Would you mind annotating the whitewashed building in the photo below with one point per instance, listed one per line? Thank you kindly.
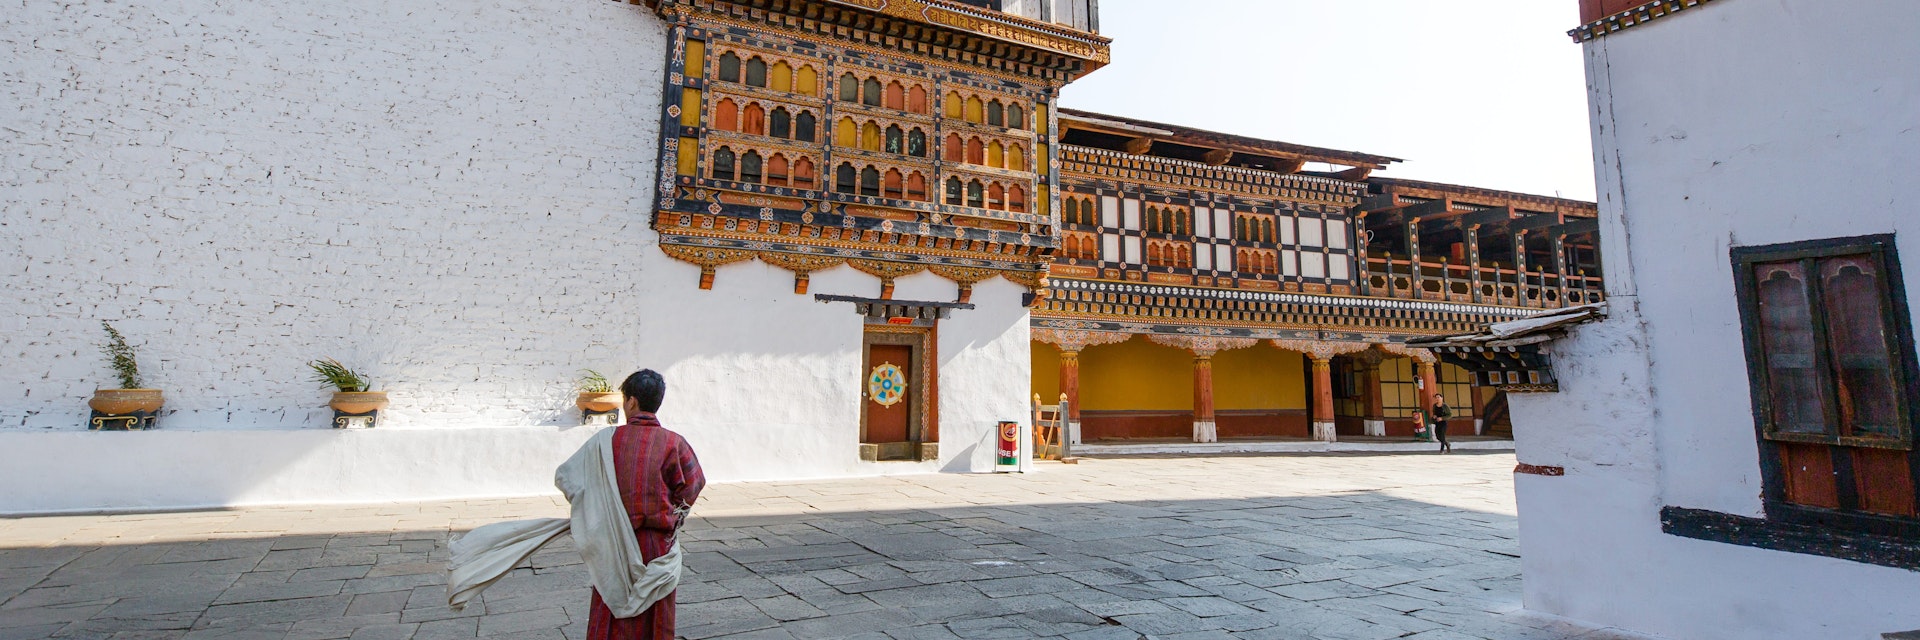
(468, 202)
(1736, 438)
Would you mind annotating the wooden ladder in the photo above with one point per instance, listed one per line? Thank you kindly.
(1049, 430)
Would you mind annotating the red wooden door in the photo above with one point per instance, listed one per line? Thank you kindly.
(889, 386)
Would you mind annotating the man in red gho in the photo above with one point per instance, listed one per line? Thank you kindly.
(659, 479)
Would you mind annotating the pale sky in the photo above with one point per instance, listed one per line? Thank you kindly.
(1489, 93)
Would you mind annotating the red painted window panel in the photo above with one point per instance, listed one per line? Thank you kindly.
(1857, 337)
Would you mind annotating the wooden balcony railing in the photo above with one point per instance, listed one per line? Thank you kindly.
(1388, 277)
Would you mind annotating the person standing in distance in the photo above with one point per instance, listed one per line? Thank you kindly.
(1440, 415)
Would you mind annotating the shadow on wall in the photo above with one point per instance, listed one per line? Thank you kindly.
(1346, 565)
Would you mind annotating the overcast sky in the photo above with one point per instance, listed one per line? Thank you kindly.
(1489, 93)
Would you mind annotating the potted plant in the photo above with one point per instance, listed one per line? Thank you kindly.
(131, 403)
(352, 397)
(597, 396)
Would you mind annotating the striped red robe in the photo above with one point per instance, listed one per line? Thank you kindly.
(657, 471)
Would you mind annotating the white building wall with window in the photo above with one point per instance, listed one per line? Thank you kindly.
(1735, 123)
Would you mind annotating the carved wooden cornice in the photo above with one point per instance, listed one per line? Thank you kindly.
(1321, 351)
(1203, 346)
(801, 265)
(1072, 341)
(707, 258)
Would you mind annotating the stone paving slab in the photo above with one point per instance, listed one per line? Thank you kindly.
(1320, 547)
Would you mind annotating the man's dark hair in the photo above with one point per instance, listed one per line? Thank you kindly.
(647, 387)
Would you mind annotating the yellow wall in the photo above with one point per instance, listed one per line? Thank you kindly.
(1046, 372)
(1260, 377)
(1136, 375)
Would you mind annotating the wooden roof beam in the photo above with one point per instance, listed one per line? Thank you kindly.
(1356, 174)
(1575, 227)
(1491, 215)
(1379, 202)
(1531, 220)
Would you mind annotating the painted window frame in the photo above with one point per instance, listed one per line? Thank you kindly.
(1896, 319)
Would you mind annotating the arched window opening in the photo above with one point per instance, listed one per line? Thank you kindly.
(896, 140)
(953, 191)
(1016, 117)
(777, 170)
(1017, 157)
(780, 123)
(726, 115)
(803, 126)
(896, 96)
(780, 77)
(917, 99)
(843, 179)
(917, 143)
(1153, 219)
(730, 67)
(1017, 198)
(757, 72)
(894, 185)
(870, 181)
(1186, 257)
(750, 167)
(1153, 255)
(1266, 228)
(846, 133)
(723, 164)
(870, 136)
(870, 92)
(803, 173)
(806, 82)
(917, 187)
(1070, 212)
(1182, 222)
(996, 197)
(997, 155)
(976, 194)
(754, 119)
(996, 114)
(973, 110)
(849, 88)
(956, 150)
(953, 105)
(976, 151)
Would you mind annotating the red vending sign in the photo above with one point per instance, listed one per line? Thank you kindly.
(1009, 443)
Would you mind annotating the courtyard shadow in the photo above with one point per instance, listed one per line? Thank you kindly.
(1345, 565)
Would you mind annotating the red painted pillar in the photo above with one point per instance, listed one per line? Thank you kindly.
(1430, 384)
(1204, 429)
(1070, 382)
(1323, 422)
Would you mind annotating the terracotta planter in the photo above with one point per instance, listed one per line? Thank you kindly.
(598, 402)
(358, 401)
(120, 402)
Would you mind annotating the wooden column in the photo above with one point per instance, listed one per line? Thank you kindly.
(1204, 429)
(1070, 383)
(1473, 259)
(1375, 419)
(1520, 268)
(1360, 238)
(1431, 383)
(1413, 259)
(1323, 422)
(1560, 265)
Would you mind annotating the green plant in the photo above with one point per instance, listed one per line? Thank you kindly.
(120, 357)
(331, 373)
(592, 382)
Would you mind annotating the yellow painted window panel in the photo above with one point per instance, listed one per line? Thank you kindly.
(996, 156)
(690, 107)
(870, 137)
(1040, 157)
(806, 82)
(689, 156)
(696, 58)
(846, 134)
(780, 77)
(1040, 119)
(953, 105)
(975, 111)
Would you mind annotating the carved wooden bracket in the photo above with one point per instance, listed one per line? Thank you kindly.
(886, 272)
(708, 258)
(966, 277)
(801, 265)
(1321, 351)
(1203, 346)
(1075, 341)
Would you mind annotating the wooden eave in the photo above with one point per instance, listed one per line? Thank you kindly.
(1391, 192)
(938, 23)
(1158, 131)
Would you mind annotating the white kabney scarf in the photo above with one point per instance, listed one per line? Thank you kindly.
(601, 531)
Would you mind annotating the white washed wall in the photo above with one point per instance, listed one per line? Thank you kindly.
(452, 197)
(1737, 123)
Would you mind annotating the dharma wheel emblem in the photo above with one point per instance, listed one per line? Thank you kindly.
(887, 385)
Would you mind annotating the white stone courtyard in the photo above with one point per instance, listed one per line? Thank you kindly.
(1334, 547)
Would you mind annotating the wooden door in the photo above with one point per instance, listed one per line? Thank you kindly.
(890, 387)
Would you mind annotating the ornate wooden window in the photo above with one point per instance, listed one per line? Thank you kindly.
(726, 115)
(894, 185)
(849, 88)
(780, 123)
(723, 164)
(917, 99)
(1017, 198)
(804, 126)
(917, 187)
(803, 173)
(896, 96)
(996, 197)
(779, 77)
(976, 194)
(870, 181)
(953, 191)
(996, 114)
(1830, 361)
(953, 105)
(753, 119)
(870, 136)
(1070, 212)
(806, 81)
(844, 179)
(1016, 158)
(870, 92)
(976, 151)
(973, 110)
(1016, 117)
(896, 139)
(996, 155)
(846, 134)
(757, 72)
(730, 67)
(917, 143)
(777, 170)
(750, 166)
(956, 150)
